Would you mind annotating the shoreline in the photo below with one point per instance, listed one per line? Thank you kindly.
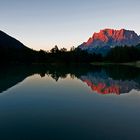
(134, 64)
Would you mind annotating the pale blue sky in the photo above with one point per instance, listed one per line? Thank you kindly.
(41, 24)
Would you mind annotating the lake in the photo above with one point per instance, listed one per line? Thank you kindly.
(69, 102)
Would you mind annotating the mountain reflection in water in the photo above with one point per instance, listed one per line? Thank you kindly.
(101, 79)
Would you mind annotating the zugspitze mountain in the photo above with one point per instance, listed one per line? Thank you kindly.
(108, 38)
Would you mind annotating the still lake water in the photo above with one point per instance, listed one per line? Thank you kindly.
(69, 103)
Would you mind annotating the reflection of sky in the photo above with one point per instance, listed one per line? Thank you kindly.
(71, 90)
(44, 107)
(88, 84)
(48, 84)
(45, 23)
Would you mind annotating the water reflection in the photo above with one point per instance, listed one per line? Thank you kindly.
(104, 84)
(101, 79)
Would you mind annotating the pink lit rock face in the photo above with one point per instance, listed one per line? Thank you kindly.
(102, 84)
(111, 38)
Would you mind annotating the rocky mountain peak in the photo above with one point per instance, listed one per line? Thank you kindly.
(111, 37)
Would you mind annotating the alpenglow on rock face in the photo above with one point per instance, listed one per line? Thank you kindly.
(108, 38)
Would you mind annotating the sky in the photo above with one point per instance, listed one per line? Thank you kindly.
(42, 24)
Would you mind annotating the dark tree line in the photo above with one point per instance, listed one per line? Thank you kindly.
(123, 54)
(17, 55)
(72, 56)
(26, 55)
(75, 55)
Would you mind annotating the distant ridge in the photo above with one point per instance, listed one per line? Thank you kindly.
(108, 38)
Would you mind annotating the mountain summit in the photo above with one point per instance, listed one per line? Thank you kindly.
(109, 38)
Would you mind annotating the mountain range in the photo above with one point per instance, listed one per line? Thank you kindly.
(106, 39)
(13, 51)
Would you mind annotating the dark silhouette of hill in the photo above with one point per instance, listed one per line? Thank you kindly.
(12, 50)
(9, 42)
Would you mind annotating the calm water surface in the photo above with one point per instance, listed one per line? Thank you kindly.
(69, 103)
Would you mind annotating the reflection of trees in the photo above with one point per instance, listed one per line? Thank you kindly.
(103, 79)
(55, 76)
(114, 72)
(123, 72)
(63, 76)
(42, 75)
(62, 71)
(12, 75)
(72, 76)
